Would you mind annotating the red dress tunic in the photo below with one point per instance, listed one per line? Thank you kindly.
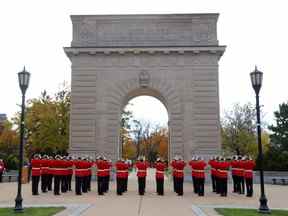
(122, 169)
(36, 167)
(180, 164)
(160, 168)
(249, 165)
(142, 168)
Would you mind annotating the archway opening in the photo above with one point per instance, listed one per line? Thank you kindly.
(144, 129)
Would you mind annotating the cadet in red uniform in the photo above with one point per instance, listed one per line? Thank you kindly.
(192, 164)
(50, 174)
(101, 166)
(241, 176)
(130, 166)
(70, 165)
(223, 167)
(2, 169)
(141, 166)
(79, 175)
(249, 165)
(44, 173)
(179, 176)
(64, 175)
(86, 166)
(36, 172)
(160, 168)
(91, 163)
(234, 170)
(199, 173)
(57, 168)
(108, 165)
(121, 169)
(213, 172)
(173, 165)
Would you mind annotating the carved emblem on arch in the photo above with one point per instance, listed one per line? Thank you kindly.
(144, 79)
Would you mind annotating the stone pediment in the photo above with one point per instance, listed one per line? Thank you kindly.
(179, 30)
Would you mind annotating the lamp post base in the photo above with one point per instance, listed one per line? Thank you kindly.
(18, 205)
(264, 209)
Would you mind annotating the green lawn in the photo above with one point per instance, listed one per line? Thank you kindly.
(49, 211)
(248, 212)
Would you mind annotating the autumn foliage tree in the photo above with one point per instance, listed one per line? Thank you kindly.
(146, 140)
(47, 123)
(9, 145)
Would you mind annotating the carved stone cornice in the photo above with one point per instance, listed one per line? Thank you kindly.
(214, 50)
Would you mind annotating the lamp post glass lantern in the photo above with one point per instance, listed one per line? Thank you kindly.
(256, 80)
(23, 78)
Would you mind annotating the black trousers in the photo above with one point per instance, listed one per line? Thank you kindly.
(174, 183)
(69, 180)
(64, 183)
(160, 186)
(85, 184)
(107, 183)
(1, 173)
(141, 185)
(35, 183)
(125, 184)
(100, 182)
(200, 186)
(249, 186)
(223, 186)
(44, 182)
(195, 186)
(242, 185)
(235, 188)
(218, 185)
(179, 186)
(78, 185)
(57, 181)
(120, 185)
(49, 182)
(213, 183)
(89, 183)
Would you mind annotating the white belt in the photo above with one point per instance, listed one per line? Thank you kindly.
(195, 170)
(161, 172)
(237, 169)
(122, 171)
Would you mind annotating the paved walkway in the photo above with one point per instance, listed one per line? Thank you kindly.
(131, 204)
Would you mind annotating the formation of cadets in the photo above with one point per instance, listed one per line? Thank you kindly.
(61, 169)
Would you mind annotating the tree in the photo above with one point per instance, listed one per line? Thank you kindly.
(238, 131)
(47, 123)
(9, 145)
(279, 137)
(150, 142)
(160, 138)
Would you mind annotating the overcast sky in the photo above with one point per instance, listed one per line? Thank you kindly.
(33, 33)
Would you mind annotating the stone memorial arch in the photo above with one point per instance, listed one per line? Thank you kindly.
(171, 57)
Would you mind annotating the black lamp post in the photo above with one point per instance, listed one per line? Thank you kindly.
(256, 80)
(23, 78)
